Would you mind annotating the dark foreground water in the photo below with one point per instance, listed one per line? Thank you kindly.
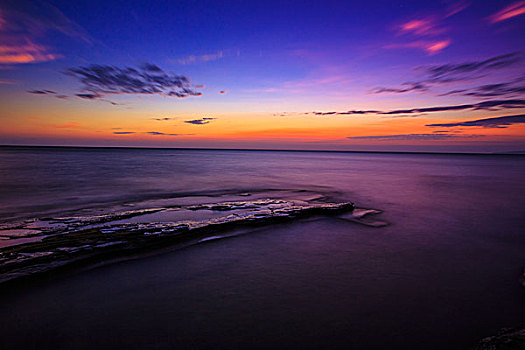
(442, 275)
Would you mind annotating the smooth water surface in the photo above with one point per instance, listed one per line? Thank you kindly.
(443, 274)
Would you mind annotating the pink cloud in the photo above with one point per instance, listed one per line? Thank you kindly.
(66, 126)
(23, 25)
(456, 7)
(425, 26)
(24, 52)
(430, 47)
(516, 9)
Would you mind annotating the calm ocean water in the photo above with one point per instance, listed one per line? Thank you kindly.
(443, 274)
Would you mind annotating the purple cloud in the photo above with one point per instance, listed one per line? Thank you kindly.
(497, 122)
(147, 79)
(485, 105)
(201, 121)
(411, 137)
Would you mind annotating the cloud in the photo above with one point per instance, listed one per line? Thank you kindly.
(154, 133)
(202, 58)
(66, 126)
(88, 96)
(497, 122)
(512, 88)
(157, 133)
(24, 51)
(409, 87)
(49, 93)
(24, 23)
(454, 72)
(516, 9)
(432, 25)
(424, 26)
(405, 116)
(427, 29)
(201, 121)
(411, 137)
(485, 105)
(41, 92)
(431, 47)
(148, 79)
(445, 131)
(454, 7)
(162, 119)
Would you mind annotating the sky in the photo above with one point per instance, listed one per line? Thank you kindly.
(438, 76)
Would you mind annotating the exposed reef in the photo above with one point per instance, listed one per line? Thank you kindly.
(506, 339)
(43, 244)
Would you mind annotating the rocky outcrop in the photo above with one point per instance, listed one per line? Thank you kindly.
(56, 242)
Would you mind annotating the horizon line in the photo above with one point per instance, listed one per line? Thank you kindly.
(510, 153)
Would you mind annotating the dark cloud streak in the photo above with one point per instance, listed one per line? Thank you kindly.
(201, 121)
(497, 122)
(485, 105)
(411, 137)
(42, 92)
(453, 72)
(149, 79)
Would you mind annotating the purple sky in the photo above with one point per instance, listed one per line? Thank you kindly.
(342, 75)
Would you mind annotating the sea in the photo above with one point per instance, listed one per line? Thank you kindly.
(442, 271)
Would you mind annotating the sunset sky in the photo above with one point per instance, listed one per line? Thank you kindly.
(326, 75)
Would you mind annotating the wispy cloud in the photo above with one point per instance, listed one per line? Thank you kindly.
(41, 92)
(154, 133)
(413, 137)
(149, 79)
(512, 88)
(406, 87)
(423, 26)
(157, 133)
(162, 119)
(426, 32)
(51, 93)
(24, 51)
(65, 126)
(454, 72)
(497, 122)
(24, 23)
(192, 59)
(201, 121)
(431, 47)
(513, 10)
(433, 24)
(485, 105)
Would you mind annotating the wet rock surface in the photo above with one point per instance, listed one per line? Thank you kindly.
(39, 245)
(506, 339)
